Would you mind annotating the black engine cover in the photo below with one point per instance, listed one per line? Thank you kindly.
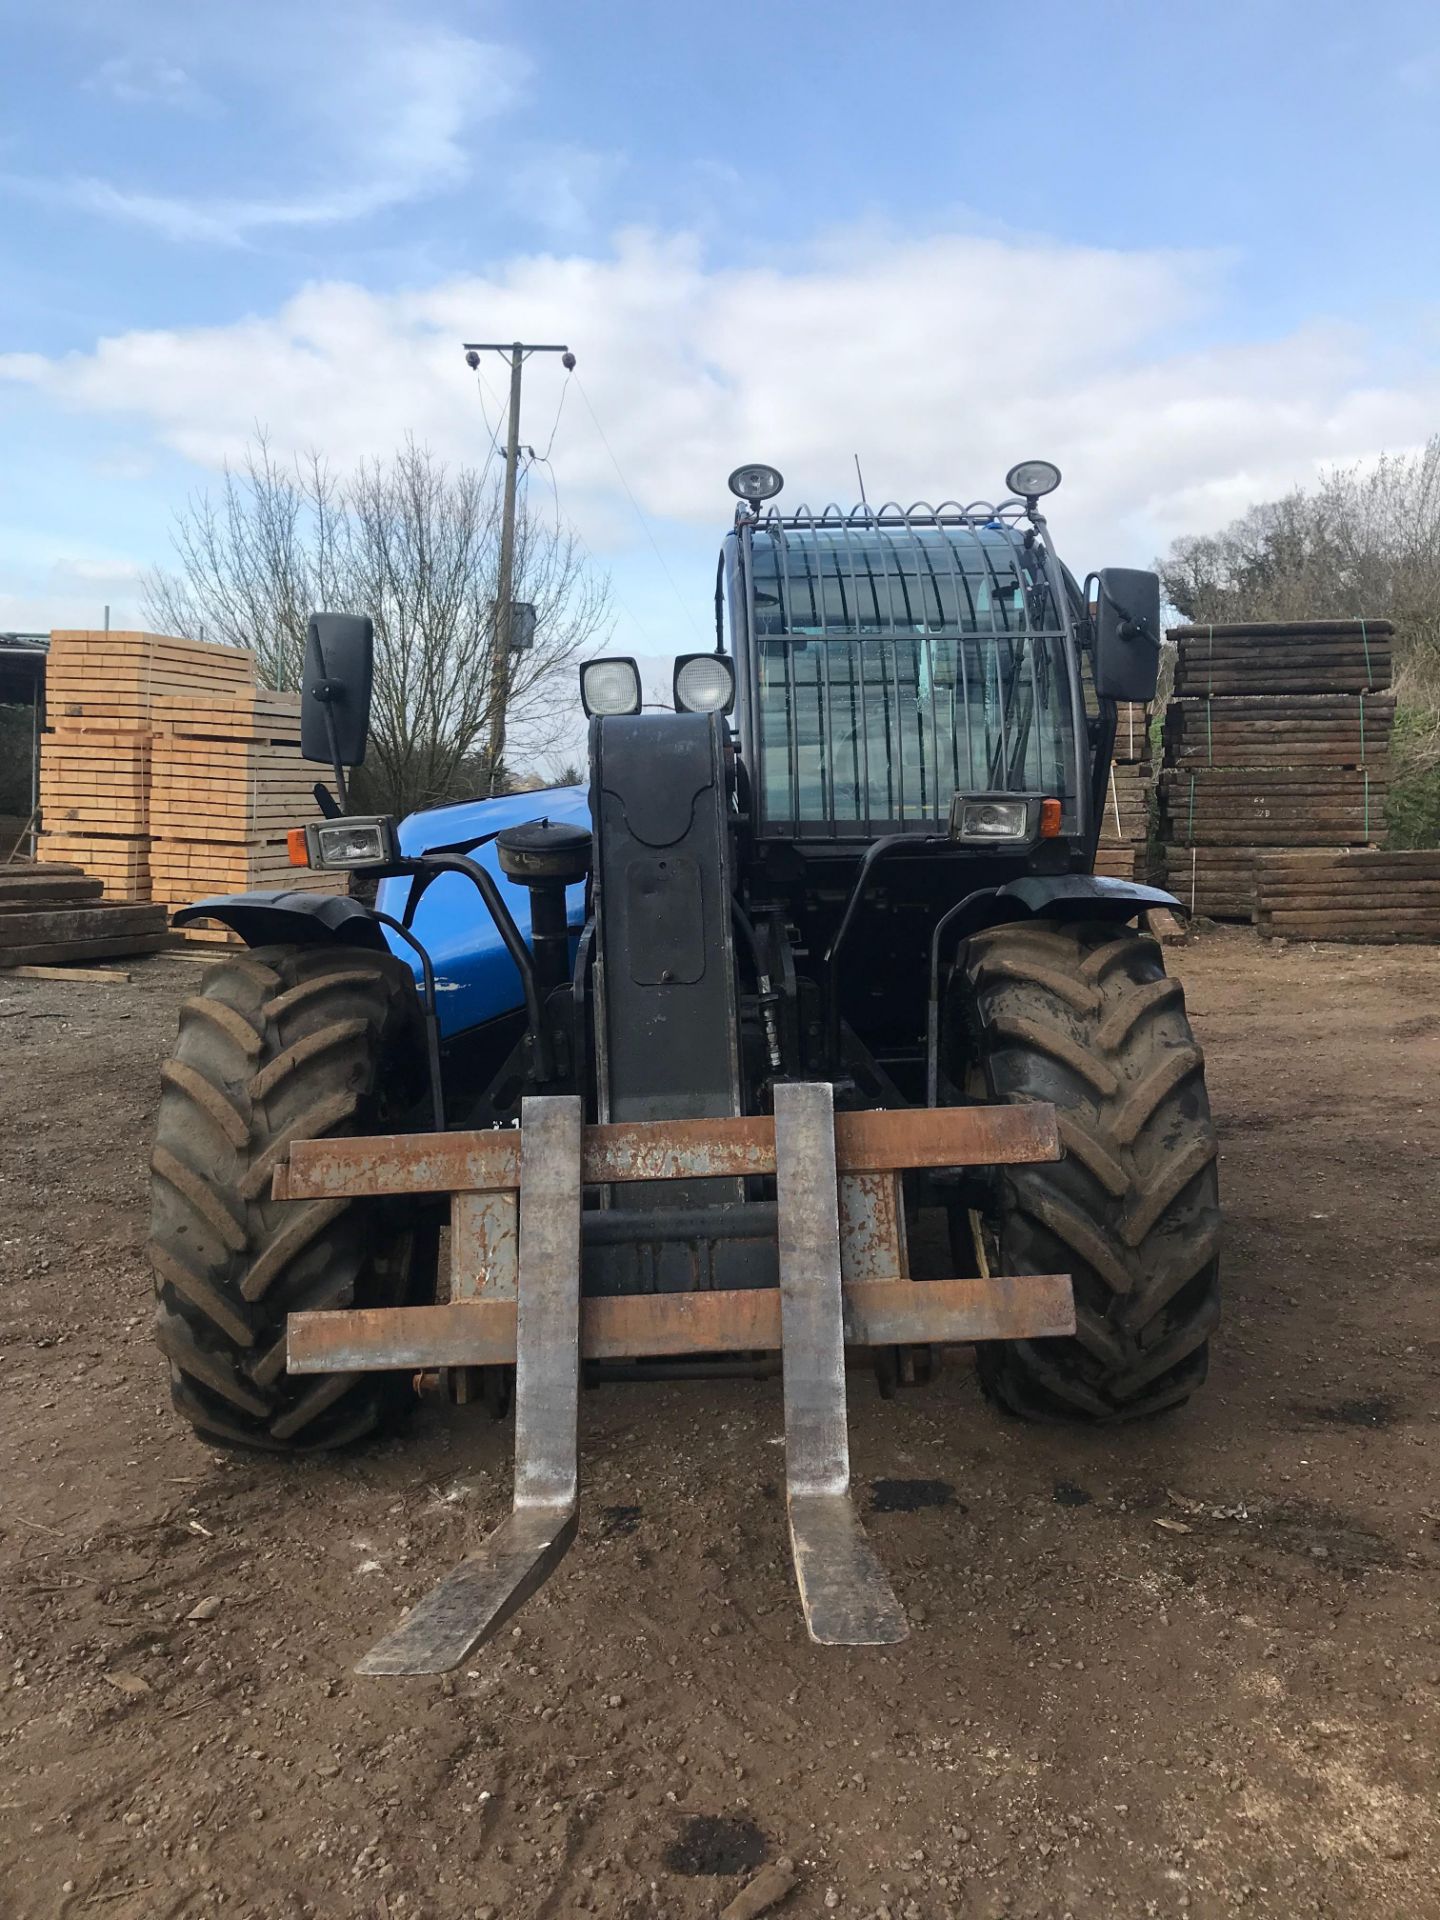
(665, 991)
(666, 1023)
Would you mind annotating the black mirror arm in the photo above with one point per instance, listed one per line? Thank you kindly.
(326, 698)
(325, 694)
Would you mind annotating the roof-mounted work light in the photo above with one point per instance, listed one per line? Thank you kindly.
(756, 483)
(1032, 478)
(704, 683)
(610, 687)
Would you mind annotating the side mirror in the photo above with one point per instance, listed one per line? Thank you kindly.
(335, 688)
(1127, 634)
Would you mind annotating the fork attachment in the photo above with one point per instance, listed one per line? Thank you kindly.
(841, 1282)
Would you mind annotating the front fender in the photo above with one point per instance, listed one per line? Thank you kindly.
(1061, 896)
(289, 919)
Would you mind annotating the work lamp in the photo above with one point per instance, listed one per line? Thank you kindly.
(756, 483)
(359, 840)
(704, 683)
(1030, 478)
(610, 687)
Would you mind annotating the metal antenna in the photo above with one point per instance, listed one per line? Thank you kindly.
(861, 478)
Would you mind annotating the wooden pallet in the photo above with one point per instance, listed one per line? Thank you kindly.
(1369, 898)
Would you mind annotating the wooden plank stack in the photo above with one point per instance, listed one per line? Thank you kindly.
(1369, 898)
(95, 758)
(51, 913)
(1276, 741)
(227, 784)
(168, 774)
(1124, 849)
(1282, 656)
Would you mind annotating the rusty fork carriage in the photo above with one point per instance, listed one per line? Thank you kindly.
(517, 1219)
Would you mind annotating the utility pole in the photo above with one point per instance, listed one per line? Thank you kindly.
(517, 353)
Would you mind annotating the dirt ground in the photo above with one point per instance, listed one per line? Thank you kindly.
(1188, 1669)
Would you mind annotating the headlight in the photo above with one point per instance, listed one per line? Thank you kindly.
(979, 820)
(1031, 478)
(367, 841)
(610, 687)
(704, 683)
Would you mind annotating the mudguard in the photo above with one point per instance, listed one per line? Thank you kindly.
(1061, 896)
(289, 918)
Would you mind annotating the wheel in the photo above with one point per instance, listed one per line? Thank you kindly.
(281, 1044)
(1084, 1017)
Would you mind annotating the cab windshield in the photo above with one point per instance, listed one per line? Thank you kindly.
(898, 665)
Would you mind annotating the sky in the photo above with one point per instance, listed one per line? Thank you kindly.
(1185, 251)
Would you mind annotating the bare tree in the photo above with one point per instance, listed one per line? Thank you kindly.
(416, 545)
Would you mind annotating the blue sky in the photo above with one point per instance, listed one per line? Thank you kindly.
(1187, 251)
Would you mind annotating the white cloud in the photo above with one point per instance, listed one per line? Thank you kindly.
(940, 360)
(362, 117)
(148, 79)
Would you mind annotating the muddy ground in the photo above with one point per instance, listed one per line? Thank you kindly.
(1190, 1669)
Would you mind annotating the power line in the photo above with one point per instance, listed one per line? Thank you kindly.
(493, 431)
(639, 512)
(564, 389)
(544, 460)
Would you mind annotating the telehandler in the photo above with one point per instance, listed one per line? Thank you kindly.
(682, 1058)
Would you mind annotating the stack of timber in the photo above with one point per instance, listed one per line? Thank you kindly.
(227, 785)
(1277, 741)
(54, 912)
(1368, 898)
(1124, 849)
(95, 759)
(1283, 656)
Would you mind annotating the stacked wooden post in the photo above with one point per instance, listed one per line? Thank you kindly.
(1124, 849)
(1361, 897)
(95, 757)
(227, 784)
(52, 913)
(1276, 741)
(167, 774)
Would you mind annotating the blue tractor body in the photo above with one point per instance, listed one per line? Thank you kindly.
(475, 979)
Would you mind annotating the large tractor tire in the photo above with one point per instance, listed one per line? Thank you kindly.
(1083, 1016)
(281, 1044)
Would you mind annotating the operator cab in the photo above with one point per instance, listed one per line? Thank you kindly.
(899, 672)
